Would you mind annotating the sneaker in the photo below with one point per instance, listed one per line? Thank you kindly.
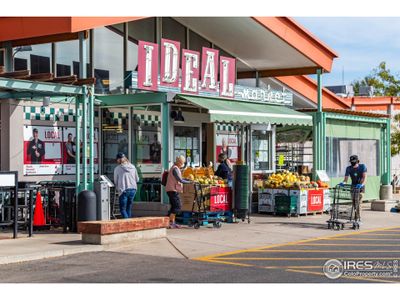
(174, 226)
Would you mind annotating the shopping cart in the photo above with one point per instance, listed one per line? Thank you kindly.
(200, 216)
(345, 207)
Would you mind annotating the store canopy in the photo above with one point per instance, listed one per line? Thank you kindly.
(234, 111)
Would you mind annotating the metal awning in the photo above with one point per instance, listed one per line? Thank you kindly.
(234, 111)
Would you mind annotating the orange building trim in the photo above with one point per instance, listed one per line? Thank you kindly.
(307, 87)
(301, 39)
(18, 28)
(379, 103)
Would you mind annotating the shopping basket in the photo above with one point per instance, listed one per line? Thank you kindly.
(345, 207)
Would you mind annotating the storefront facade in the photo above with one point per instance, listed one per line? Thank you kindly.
(153, 123)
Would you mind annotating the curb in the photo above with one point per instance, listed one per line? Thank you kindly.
(4, 260)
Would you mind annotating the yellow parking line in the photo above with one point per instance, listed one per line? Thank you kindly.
(312, 250)
(217, 255)
(228, 263)
(333, 244)
(293, 267)
(345, 277)
(361, 239)
(378, 234)
(301, 258)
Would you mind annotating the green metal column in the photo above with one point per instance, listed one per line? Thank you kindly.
(91, 136)
(165, 126)
(85, 138)
(82, 74)
(78, 148)
(388, 156)
(319, 132)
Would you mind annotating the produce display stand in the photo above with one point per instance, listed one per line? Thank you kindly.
(284, 194)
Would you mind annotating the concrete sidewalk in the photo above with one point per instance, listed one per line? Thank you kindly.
(263, 230)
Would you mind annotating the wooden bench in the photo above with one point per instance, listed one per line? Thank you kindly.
(123, 230)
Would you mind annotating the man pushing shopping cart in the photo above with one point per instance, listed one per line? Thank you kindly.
(347, 198)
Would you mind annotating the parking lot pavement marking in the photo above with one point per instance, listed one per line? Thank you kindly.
(343, 277)
(379, 234)
(323, 251)
(299, 258)
(218, 255)
(360, 239)
(351, 244)
(229, 263)
(292, 267)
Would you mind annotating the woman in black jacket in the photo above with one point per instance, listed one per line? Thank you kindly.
(224, 169)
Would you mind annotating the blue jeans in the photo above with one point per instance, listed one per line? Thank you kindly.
(125, 203)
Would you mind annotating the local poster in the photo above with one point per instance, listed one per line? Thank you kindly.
(228, 144)
(42, 150)
(69, 150)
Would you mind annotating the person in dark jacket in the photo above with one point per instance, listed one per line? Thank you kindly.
(36, 148)
(358, 174)
(224, 169)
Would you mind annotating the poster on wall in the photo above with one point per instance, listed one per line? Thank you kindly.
(229, 145)
(69, 150)
(42, 150)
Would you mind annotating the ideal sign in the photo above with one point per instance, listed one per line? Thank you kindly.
(211, 64)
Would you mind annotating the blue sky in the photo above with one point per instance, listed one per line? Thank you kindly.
(361, 42)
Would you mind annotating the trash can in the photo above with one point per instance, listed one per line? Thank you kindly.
(87, 206)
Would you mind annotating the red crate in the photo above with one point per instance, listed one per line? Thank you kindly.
(220, 199)
(315, 200)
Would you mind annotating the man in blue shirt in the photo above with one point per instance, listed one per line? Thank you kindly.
(358, 175)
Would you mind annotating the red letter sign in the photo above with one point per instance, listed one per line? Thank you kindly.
(227, 69)
(190, 71)
(209, 69)
(147, 66)
(170, 52)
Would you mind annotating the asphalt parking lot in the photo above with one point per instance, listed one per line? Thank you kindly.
(381, 247)
(294, 262)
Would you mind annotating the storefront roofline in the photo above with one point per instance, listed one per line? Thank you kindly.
(380, 118)
(18, 88)
(300, 38)
(307, 87)
(130, 99)
(29, 28)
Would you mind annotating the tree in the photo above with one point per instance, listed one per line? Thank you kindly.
(382, 80)
(385, 84)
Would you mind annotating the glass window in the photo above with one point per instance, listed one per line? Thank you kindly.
(187, 143)
(146, 125)
(67, 58)
(197, 42)
(36, 58)
(261, 150)
(174, 30)
(115, 136)
(340, 149)
(228, 141)
(144, 30)
(108, 60)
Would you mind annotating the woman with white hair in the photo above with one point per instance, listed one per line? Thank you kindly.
(173, 187)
